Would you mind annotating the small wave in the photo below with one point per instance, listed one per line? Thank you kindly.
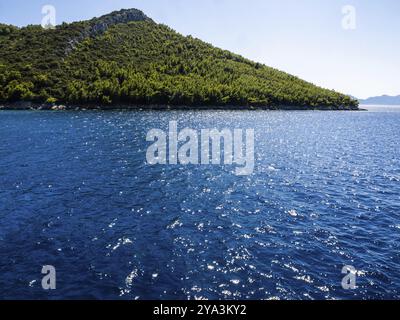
(292, 213)
(176, 223)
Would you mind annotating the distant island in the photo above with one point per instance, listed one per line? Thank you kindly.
(126, 60)
(382, 100)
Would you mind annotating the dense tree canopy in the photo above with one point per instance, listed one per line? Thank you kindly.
(141, 62)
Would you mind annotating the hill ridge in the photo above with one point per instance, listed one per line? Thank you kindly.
(382, 100)
(98, 25)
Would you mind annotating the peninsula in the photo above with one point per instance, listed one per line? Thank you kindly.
(126, 60)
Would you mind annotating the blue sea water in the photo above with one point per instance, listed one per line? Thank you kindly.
(76, 193)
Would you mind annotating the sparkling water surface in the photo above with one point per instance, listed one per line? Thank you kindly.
(76, 193)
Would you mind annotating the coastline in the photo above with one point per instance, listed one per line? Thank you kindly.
(24, 105)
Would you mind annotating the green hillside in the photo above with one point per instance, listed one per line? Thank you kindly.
(126, 58)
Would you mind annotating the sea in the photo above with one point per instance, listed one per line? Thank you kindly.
(317, 218)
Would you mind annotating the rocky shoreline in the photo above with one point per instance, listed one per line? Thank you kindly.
(23, 105)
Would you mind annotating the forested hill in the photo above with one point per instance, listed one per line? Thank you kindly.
(125, 58)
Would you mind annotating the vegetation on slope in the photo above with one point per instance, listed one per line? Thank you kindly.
(133, 60)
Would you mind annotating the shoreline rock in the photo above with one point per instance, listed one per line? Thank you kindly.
(26, 105)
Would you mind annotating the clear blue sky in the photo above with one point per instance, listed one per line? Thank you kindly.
(302, 37)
